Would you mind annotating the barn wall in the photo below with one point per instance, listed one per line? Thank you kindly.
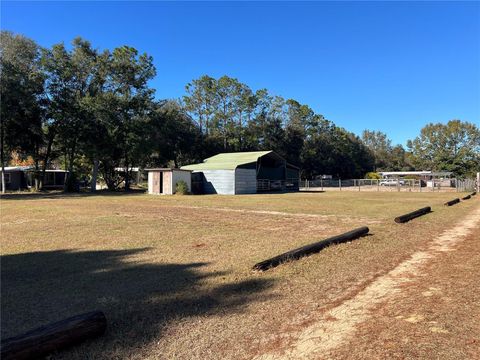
(219, 182)
(293, 179)
(245, 181)
(293, 173)
(182, 175)
(277, 173)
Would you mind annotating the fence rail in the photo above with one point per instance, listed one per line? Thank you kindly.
(445, 185)
(273, 185)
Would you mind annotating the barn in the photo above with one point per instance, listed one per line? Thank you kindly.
(244, 173)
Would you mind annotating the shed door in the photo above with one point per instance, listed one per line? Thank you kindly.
(167, 182)
(156, 183)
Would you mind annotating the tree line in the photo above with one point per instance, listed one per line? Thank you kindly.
(93, 111)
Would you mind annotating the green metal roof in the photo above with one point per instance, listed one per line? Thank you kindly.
(227, 161)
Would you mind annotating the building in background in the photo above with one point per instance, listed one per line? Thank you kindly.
(164, 180)
(244, 173)
(427, 177)
(23, 177)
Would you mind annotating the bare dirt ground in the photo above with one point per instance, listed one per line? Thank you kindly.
(173, 274)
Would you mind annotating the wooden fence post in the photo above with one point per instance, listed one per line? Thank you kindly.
(478, 182)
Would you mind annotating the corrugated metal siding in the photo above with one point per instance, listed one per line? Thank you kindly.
(219, 182)
(245, 181)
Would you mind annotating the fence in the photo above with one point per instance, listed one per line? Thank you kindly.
(466, 185)
(273, 185)
(446, 185)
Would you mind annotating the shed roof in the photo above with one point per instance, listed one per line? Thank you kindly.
(18, 168)
(227, 161)
(166, 169)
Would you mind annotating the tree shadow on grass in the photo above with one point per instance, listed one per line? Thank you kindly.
(58, 194)
(138, 299)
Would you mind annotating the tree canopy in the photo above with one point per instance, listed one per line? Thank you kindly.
(91, 110)
(454, 147)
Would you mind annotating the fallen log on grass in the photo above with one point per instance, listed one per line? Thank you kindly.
(44, 340)
(474, 193)
(413, 215)
(467, 197)
(452, 202)
(310, 249)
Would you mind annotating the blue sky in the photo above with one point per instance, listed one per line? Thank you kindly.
(389, 66)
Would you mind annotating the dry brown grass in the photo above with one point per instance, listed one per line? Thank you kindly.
(173, 273)
(435, 317)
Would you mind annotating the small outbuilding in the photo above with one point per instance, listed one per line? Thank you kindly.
(164, 180)
(23, 177)
(54, 178)
(244, 173)
(15, 178)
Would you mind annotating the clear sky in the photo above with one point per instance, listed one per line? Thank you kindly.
(389, 66)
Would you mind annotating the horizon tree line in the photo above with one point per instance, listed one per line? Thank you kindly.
(93, 111)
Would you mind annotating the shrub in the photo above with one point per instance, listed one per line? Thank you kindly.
(373, 176)
(181, 188)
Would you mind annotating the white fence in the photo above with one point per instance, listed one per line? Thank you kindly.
(446, 185)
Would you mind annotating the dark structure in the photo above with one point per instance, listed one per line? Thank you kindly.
(23, 177)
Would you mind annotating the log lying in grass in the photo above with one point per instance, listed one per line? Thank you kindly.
(452, 202)
(467, 197)
(44, 340)
(310, 249)
(474, 193)
(413, 215)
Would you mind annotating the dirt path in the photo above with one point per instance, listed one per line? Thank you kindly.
(339, 324)
(346, 218)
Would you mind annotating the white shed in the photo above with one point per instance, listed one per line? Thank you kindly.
(164, 180)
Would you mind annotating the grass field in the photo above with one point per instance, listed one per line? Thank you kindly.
(173, 273)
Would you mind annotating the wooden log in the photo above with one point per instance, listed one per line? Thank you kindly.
(473, 193)
(467, 197)
(310, 249)
(413, 215)
(452, 202)
(44, 340)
